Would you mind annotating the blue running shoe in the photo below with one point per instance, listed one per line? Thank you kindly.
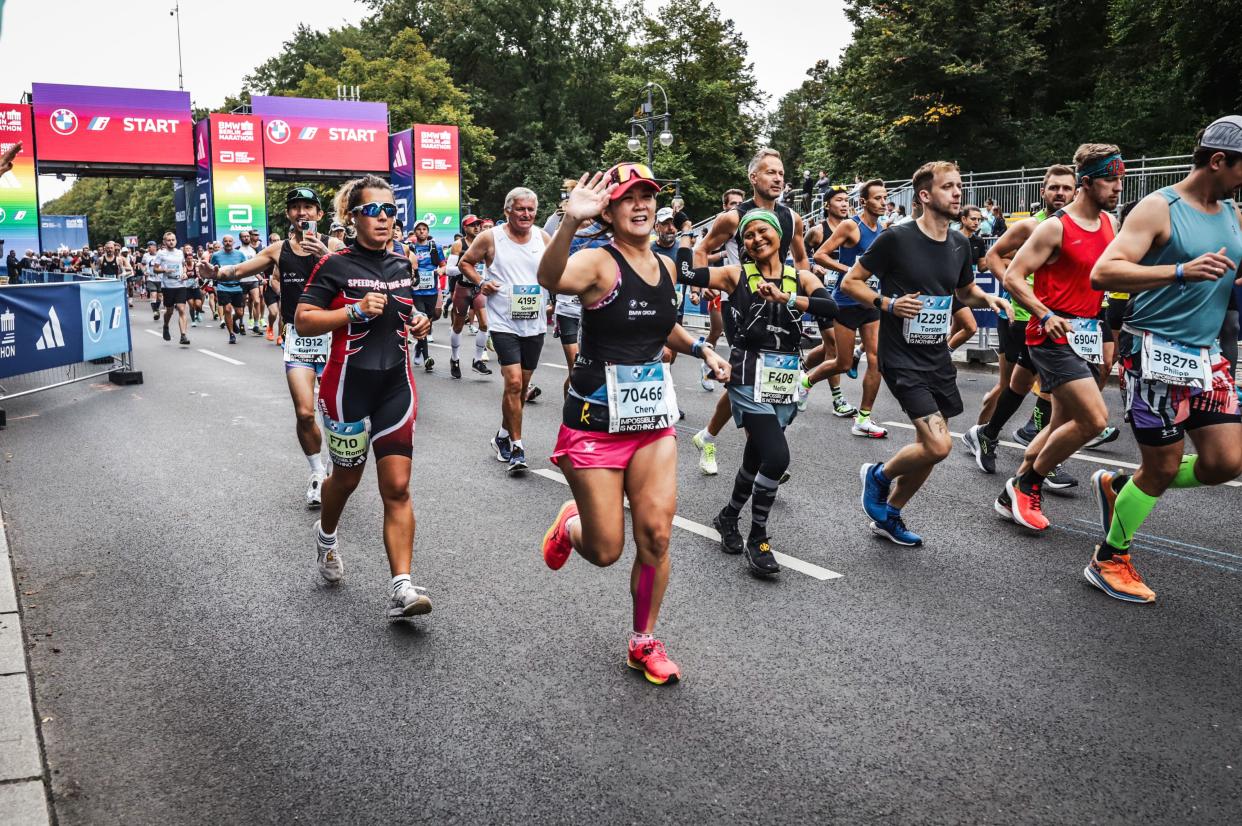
(874, 492)
(894, 530)
(853, 371)
(502, 446)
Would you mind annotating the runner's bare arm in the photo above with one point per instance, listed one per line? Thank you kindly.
(680, 341)
(264, 259)
(1044, 243)
(845, 235)
(479, 252)
(1146, 227)
(1002, 252)
(723, 228)
(798, 247)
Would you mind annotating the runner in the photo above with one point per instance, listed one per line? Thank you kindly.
(852, 238)
(725, 253)
(767, 179)
(1177, 255)
(1017, 371)
(766, 300)
(515, 307)
(362, 296)
(836, 211)
(229, 292)
(607, 447)
(964, 325)
(152, 284)
(291, 263)
(336, 237)
(922, 264)
(169, 264)
(271, 298)
(1063, 335)
(466, 298)
(429, 261)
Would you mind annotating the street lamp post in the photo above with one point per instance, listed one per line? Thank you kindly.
(175, 11)
(646, 119)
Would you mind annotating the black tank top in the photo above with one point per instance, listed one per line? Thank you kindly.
(107, 267)
(294, 270)
(628, 326)
(761, 325)
(783, 214)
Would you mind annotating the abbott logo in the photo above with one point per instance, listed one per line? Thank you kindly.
(52, 337)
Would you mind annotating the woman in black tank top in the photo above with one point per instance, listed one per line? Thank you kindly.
(766, 299)
(616, 438)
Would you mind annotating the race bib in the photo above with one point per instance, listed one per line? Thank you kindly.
(1086, 339)
(931, 325)
(311, 349)
(347, 442)
(524, 302)
(640, 397)
(426, 280)
(1172, 362)
(776, 376)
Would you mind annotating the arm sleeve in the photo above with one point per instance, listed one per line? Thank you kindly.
(687, 273)
(821, 305)
(324, 284)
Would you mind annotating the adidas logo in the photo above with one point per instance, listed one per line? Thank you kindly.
(52, 336)
(398, 157)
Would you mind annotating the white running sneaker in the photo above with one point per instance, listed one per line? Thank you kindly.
(802, 393)
(331, 567)
(868, 429)
(314, 490)
(408, 602)
(472, 328)
(705, 377)
(707, 455)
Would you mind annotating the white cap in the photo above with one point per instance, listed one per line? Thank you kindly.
(664, 214)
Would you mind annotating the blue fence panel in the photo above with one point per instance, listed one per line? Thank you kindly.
(54, 325)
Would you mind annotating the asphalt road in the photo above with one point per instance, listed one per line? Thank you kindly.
(193, 668)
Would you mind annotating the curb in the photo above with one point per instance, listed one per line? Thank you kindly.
(23, 773)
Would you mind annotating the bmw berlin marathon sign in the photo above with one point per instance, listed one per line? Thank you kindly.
(55, 325)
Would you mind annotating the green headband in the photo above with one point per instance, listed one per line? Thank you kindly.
(765, 215)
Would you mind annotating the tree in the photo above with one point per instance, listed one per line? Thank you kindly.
(116, 207)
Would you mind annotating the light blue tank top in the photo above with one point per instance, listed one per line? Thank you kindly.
(1191, 314)
(866, 235)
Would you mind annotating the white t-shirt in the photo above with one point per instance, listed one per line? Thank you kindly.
(172, 264)
(248, 281)
(515, 268)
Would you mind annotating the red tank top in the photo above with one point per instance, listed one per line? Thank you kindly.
(1064, 286)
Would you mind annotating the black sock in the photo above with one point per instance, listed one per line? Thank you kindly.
(1041, 414)
(1105, 552)
(743, 483)
(1006, 406)
(1030, 480)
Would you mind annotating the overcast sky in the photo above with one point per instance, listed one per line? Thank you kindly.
(135, 43)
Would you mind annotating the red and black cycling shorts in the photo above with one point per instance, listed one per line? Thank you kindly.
(349, 396)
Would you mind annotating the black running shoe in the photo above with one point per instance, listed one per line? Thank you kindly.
(532, 393)
(185, 340)
(232, 338)
(167, 335)
(429, 365)
(730, 537)
(1060, 479)
(517, 461)
(480, 367)
(759, 556)
(983, 448)
(455, 368)
(1026, 434)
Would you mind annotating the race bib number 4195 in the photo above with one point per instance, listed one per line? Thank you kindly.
(525, 302)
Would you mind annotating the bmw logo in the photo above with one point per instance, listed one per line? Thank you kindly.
(64, 122)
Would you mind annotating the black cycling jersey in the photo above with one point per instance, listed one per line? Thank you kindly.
(760, 325)
(294, 271)
(783, 214)
(629, 325)
(344, 278)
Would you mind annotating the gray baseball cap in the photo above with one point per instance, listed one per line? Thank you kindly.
(1224, 134)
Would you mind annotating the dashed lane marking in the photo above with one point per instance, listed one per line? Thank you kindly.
(218, 356)
(1085, 457)
(793, 563)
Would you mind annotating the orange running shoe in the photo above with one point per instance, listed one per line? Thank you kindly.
(1107, 484)
(271, 333)
(1027, 507)
(556, 546)
(1118, 578)
(650, 658)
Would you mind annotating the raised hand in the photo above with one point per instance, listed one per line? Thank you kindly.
(588, 199)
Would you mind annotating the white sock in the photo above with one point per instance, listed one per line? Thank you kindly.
(480, 344)
(316, 463)
(455, 344)
(504, 434)
(637, 639)
(706, 436)
(518, 443)
(327, 538)
(399, 580)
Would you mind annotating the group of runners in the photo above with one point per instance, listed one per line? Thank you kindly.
(614, 270)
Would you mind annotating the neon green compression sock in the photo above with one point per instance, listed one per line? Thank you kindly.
(1132, 508)
(1185, 477)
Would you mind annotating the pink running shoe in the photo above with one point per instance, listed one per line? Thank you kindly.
(556, 546)
(650, 658)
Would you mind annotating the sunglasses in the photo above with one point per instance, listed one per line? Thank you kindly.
(621, 173)
(373, 209)
(302, 194)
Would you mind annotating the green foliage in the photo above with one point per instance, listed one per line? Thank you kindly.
(116, 207)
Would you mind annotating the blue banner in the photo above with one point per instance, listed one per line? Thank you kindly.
(401, 169)
(53, 325)
(69, 231)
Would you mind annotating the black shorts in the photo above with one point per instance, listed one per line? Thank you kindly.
(1013, 343)
(153, 286)
(388, 398)
(193, 294)
(270, 297)
(957, 305)
(855, 316)
(1058, 364)
(514, 349)
(567, 327)
(247, 286)
(924, 392)
(1102, 317)
(226, 297)
(174, 296)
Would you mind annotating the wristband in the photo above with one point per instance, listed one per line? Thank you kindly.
(1045, 318)
(1179, 274)
(355, 312)
(696, 349)
(793, 298)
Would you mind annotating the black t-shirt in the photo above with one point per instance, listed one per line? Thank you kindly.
(344, 277)
(907, 261)
(978, 248)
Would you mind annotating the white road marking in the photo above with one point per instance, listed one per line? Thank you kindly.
(1085, 457)
(793, 563)
(541, 364)
(157, 335)
(218, 356)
